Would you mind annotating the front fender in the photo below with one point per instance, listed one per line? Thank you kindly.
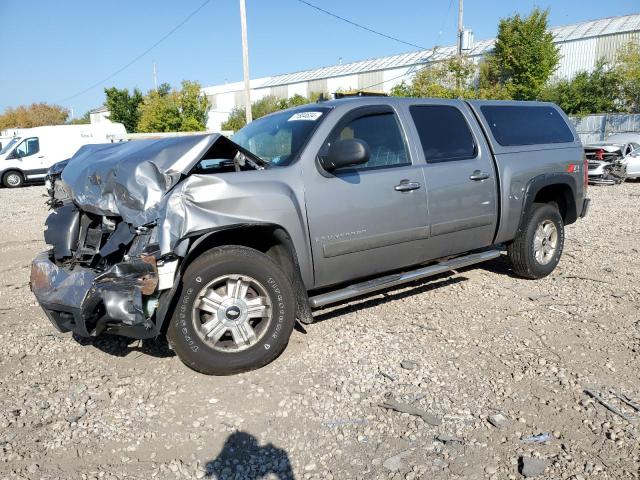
(216, 202)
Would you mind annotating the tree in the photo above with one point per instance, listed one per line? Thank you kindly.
(159, 112)
(85, 119)
(262, 107)
(456, 77)
(167, 110)
(489, 85)
(451, 78)
(124, 106)
(587, 93)
(194, 107)
(524, 57)
(628, 67)
(34, 115)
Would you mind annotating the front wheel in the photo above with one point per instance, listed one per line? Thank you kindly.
(12, 179)
(537, 248)
(235, 313)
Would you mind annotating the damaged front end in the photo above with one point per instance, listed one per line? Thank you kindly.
(101, 274)
(606, 165)
(106, 270)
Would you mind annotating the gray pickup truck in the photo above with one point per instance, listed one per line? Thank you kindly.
(221, 244)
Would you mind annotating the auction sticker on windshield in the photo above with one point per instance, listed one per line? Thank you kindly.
(313, 116)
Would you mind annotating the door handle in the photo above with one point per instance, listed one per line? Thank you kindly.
(41, 156)
(406, 186)
(478, 175)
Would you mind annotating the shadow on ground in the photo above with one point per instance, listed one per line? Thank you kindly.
(242, 457)
(122, 346)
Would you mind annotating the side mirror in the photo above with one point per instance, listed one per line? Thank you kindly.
(346, 153)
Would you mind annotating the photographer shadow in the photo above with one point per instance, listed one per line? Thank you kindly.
(242, 457)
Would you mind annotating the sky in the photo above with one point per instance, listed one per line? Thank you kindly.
(53, 51)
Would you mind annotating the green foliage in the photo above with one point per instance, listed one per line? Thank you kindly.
(452, 78)
(402, 89)
(262, 107)
(193, 107)
(628, 68)
(159, 112)
(586, 93)
(34, 115)
(124, 106)
(519, 68)
(85, 119)
(524, 57)
(166, 110)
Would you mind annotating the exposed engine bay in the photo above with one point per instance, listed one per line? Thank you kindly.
(606, 165)
(115, 246)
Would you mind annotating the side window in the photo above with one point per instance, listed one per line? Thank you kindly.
(444, 133)
(630, 148)
(28, 147)
(514, 125)
(382, 133)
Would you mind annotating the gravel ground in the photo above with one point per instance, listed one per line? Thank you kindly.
(494, 359)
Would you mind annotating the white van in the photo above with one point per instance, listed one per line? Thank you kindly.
(28, 156)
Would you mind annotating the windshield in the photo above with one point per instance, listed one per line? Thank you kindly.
(278, 138)
(9, 145)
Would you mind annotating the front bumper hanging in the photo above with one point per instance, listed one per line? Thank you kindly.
(88, 303)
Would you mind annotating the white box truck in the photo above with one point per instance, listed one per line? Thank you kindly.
(28, 156)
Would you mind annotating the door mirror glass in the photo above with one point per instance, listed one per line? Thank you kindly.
(346, 153)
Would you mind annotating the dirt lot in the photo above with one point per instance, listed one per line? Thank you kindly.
(462, 348)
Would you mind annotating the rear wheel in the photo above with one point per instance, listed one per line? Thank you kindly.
(235, 313)
(12, 179)
(537, 248)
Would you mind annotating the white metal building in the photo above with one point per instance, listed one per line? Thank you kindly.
(581, 46)
(100, 114)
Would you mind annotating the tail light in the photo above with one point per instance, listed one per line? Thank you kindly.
(585, 175)
(600, 154)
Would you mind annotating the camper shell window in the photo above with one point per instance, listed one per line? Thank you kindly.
(513, 125)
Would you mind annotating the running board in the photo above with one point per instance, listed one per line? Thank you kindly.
(387, 281)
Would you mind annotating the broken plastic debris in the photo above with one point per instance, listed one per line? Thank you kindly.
(539, 438)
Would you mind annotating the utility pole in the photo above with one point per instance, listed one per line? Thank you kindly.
(460, 26)
(245, 62)
(155, 77)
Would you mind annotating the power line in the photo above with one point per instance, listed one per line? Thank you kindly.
(360, 26)
(135, 59)
(405, 74)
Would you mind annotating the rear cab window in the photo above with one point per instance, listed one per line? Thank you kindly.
(517, 125)
(444, 133)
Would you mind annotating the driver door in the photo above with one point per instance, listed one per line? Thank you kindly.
(28, 153)
(372, 218)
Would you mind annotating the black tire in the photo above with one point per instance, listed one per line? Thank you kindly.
(200, 355)
(522, 252)
(13, 179)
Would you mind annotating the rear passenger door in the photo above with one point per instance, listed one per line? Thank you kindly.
(459, 176)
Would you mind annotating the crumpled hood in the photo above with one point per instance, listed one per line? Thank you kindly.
(129, 179)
